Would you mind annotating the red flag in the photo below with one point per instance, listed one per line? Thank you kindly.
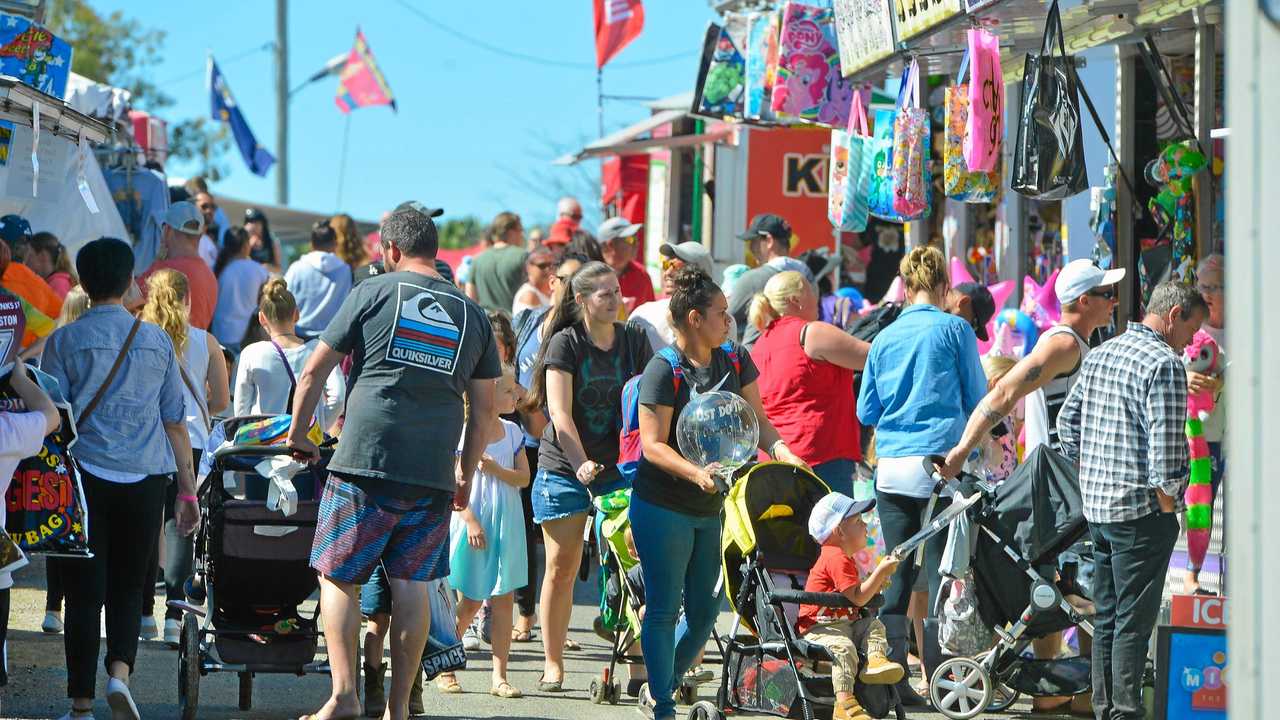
(360, 82)
(618, 22)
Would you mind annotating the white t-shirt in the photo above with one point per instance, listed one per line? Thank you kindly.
(904, 476)
(238, 287)
(654, 318)
(21, 436)
(263, 385)
(517, 306)
(208, 251)
(196, 362)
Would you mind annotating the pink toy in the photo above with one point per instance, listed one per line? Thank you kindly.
(1202, 356)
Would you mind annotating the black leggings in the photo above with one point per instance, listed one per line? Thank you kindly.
(53, 584)
(900, 518)
(527, 596)
(124, 521)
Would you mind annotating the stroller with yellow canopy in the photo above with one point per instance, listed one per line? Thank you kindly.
(767, 552)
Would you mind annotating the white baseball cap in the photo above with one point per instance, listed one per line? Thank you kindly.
(615, 228)
(1081, 276)
(832, 510)
(693, 253)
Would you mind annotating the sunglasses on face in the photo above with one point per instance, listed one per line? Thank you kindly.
(208, 207)
(1104, 294)
(543, 265)
(672, 263)
(1209, 289)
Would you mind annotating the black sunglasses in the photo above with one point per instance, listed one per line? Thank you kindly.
(1104, 294)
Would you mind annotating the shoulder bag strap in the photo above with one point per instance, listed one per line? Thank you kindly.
(293, 381)
(111, 375)
(186, 380)
(1106, 138)
(962, 74)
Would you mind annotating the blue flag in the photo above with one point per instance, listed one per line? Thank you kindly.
(223, 107)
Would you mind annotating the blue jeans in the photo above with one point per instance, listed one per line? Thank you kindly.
(837, 474)
(680, 560)
(1131, 561)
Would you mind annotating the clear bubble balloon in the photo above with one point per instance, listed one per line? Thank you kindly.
(718, 427)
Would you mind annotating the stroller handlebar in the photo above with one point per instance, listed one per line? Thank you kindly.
(251, 451)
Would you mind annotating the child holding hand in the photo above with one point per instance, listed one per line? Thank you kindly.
(836, 524)
(487, 549)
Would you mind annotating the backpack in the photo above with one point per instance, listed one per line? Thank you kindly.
(630, 449)
(869, 326)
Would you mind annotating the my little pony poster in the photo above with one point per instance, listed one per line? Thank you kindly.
(810, 85)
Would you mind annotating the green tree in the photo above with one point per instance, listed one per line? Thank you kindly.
(461, 232)
(120, 51)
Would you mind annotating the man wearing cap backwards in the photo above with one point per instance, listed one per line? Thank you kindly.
(184, 227)
(1045, 376)
(836, 524)
(618, 245)
(768, 237)
(417, 346)
(654, 317)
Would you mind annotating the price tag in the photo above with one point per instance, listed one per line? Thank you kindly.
(82, 183)
(35, 148)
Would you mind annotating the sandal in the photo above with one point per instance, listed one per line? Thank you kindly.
(448, 684)
(570, 644)
(505, 689)
(521, 636)
(550, 686)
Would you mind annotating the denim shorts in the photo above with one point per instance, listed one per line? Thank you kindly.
(555, 496)
(375, 595)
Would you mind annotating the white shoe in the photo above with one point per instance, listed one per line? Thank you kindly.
(172, 632)
(52, 623)
(470, 639)
(148, 629)
(121, 702)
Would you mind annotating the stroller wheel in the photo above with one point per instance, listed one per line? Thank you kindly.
(189, 669)
(1002, 697)
(246, 691)
(615, 693)
(960, 688)
(705, 710)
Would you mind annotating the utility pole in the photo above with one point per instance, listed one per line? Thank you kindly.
(282, 103)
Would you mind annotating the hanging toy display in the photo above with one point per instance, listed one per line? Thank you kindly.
(1202, 356)
(1102, 206)
(1171, 174)
(1012, 322)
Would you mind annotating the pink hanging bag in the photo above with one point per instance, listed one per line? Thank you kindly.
(986, 102)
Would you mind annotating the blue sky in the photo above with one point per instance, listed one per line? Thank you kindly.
(474, 129)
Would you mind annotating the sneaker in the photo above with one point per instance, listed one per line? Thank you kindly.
(471, 639)
(172, 632)
(121, 702)
(849, 710)
(880, 670)
(486, 623)
(148, 630)
(644, 702)
(52, 622)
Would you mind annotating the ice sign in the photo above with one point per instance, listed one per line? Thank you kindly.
(718, 427)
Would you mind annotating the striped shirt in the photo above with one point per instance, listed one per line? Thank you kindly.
(1124, 422)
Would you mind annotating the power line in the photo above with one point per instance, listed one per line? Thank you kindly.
(534, 59)
(225, 61)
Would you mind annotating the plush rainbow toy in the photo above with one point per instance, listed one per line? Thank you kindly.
(1202, 357)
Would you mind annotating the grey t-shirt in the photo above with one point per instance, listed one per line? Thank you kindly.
(415, 342)
(498, 274)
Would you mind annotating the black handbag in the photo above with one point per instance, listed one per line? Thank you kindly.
(1048, 159)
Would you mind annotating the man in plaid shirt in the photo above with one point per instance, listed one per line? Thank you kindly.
(1123, 421)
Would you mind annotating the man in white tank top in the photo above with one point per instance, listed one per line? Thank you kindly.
(1044, 377)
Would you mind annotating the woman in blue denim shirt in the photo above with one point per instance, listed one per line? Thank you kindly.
(130, 444)
(922, 380)
(581, 368)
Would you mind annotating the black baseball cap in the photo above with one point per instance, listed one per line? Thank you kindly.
(419, 207)
(15, 230)
(768, 223)
(984, 306)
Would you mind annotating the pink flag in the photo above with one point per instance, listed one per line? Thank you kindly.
(618, 22)
(361, 83)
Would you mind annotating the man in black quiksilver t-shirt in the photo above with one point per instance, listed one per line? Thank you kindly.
(417, 345)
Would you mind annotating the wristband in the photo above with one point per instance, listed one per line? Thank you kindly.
(188, 498)
(773, 449)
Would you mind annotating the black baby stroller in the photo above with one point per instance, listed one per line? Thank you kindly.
(1022, 526)
(767, 554)
(251, 574)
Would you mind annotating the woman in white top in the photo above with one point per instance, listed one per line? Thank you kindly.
(239, 281)
(537, 292)
(204, 379)
(267, 372)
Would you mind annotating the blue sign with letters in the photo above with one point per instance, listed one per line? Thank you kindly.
(32, 54)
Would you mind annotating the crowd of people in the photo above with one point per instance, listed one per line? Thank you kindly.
(478, 418)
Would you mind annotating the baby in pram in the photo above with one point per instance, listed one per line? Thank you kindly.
(836, 524)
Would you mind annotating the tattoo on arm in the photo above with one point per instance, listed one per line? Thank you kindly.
(1033, 373)
(989, 413)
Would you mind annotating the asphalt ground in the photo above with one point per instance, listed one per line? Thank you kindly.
(37, 676)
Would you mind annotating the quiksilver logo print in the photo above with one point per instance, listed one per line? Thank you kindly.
(428, 330)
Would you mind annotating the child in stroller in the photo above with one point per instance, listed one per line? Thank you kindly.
(836, 524)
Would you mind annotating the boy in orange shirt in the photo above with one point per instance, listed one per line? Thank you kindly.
(836, 524)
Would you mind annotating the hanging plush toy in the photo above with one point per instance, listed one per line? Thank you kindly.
(1202, 356)
(1171, 172)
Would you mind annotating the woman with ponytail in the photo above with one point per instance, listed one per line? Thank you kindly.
(204, 381)
(268, 370)
(922, 380)
(806, 378)
(587, 358)
(675, 507)
(239, 280)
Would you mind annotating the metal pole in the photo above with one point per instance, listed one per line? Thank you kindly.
(1206, 98)
(282, 103)
(1126, 244)
(600, 100)
(342, 162)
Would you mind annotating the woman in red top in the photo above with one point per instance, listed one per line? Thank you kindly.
(806, 378)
